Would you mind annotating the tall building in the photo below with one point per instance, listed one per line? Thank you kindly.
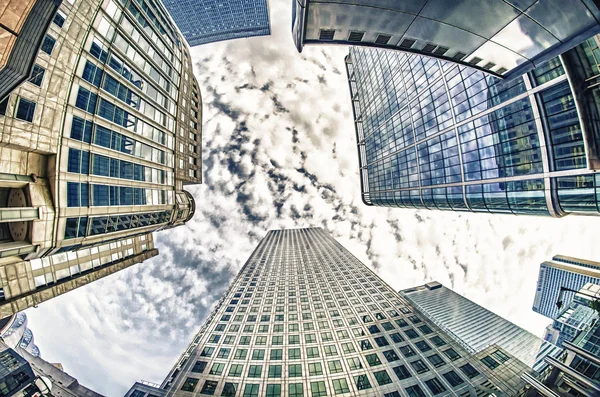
(304, 317)
(574, 374)
(579, 315)
(435, 135)
(474, 327)
(14, 333)
(505, 38)
(95, 147)
(208, 21)
(562, 271)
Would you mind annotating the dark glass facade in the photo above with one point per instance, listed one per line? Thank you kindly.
(437, 135)
(208, 21)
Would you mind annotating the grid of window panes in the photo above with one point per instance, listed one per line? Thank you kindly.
(207, 21)
(305, 318)
(443, 136)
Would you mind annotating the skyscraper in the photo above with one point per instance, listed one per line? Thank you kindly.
(95, 147)
(436, 135)
(208, 21)
(304, 317)
(14, 333)
(577, 316)
(562, 271)
(506, 38)
(473, 326)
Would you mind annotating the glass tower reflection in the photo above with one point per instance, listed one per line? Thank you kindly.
(436, 135)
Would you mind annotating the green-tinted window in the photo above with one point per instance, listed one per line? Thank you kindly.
(255, 371)
(340, 386)
(276, 354)
(278, 340)
(274, 371)
(251, 390)
(295, 370)
(273, 391)
(229, 389)
(294, 339)
(236, 370)
(199, 366)
(240, 354)
(296, 390)
(452, 354)
(373, 360)
(335, 366)
(362, 382)
(315, 369)
(189, 384)
(294, 354)
(209, 387)
(382, 378)
(490, 362)
(354, 363)
(312, 352)
(318, 389)
(402, 372)
(331, 350)
(217, 369)
(258, 354)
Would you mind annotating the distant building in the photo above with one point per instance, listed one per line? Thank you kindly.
(14, 333)
(562, 271)
(96, 144)
(503, 38)
(305, 318)
(577, 316)
(208, 21)
(573, 374)
(435, 135)
(475, 327)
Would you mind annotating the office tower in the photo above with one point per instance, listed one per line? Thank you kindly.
(573, 374)
(577, 316)
(473, 326)
(95, 148)
(436, 135)
(304, 317)
(208, 21)
(504, 38)
(23, 374)
(14, 333)
(562, 271)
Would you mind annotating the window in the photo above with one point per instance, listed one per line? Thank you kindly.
(92, 73)
(274, 371)
(277, 354)
(402, 372)
(354, 363)
(236, 370)
(362, 382)
(348, 347)
(77, 194)
(251, 390)
(294, 339)
(468, 370)
(318, 389)
(189, 384)
(273, 391)
(436, 360)
(365, 345)
(295, 370)
(25, 110)
(373, 360)
(500, 356)
(199, 366)
(229, 390)
(452, 354)
(391, 356)
(315, 369)
(296, 390)
(453, 378)
(411, 333)
(48, 44)
(382, 378)
(490, 362)
(294, 354)
(381, 341)
(278, 340)
(255, 371)
(258, 354)
(340, 386)
(37, 75)
(4, 105)
(425, 329)
(312, 352)
(437, 341)
(419, 366)
(407, 351)
(435, 386)
(423, 346)
(223, 353)
(335, 366)
(396, 337)
(415, 391)
(207, 352)
(59, 19)
(240, 354)
(216, 369)
(86, 100)
(209, 387)
(331, 350)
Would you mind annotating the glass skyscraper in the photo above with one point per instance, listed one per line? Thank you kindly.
(562, 271)
(95, 146)
(305, 318)
(208, 21)
(504, 38)
(474, 327)
(436, 135)
(577, 316)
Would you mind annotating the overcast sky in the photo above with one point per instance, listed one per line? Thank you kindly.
(280, 152)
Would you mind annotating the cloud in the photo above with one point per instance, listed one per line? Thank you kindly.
(280, 152)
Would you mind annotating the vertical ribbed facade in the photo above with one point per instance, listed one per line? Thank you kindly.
(473, 326)
(305, 318)
(436, 135)
(562, 271)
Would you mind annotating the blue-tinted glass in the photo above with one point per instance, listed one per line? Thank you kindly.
(37, 75)
(48, 44)
(81, 129)
(98, 225)
(100, 165)
(73, 194)
(59, 20)
(74, 162)
(100, 195)
(102, 136)
(71, 228)
(25, 110)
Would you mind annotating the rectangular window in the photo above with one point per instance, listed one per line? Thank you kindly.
(490, 362)
(382, 378)
(86, 100)
(452, 354)
(236, 370)
(315, 369)
(435, 386)
(296, 390)
(415, 391)
(255, 371)
(419, 366)
(81, 129)
(295, 370)
(468, 370)
(340, 386)
(59, 19)
(251, 390)
(402, 372)
(25, 110)
(37, 75)
(48, 44)
(453, 378)
(273, 391)
(318, 389)
(216, 369)
(92, 73)
(199, 367)
(189, 384)
(436, 360)
(77, 194)
(373, 360)
(362, 382)
(274, 371)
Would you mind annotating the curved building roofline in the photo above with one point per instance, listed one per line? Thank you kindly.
(192, 205)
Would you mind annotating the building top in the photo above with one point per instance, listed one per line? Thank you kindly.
(505, 38)
(209, 21)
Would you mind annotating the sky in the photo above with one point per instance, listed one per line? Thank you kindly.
(280, 152)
